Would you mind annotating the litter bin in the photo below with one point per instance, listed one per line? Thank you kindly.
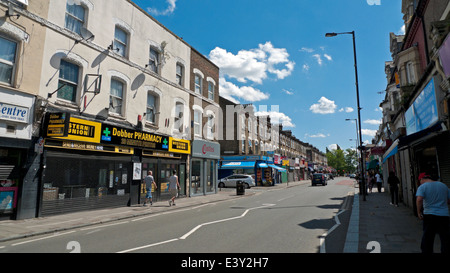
(240, 189)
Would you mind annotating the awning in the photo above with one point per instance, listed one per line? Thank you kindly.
(391, 151)
(262, 165)
(277, 168)
(406, 140)
(239, 165)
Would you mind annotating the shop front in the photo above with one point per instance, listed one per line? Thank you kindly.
(204, 167)
(15, 145)
(91, 165)
(162, 164)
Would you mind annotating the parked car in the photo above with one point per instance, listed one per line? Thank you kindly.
(230, 181)
(318, 178)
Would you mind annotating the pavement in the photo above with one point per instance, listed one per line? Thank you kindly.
(375, 225)
(382, 227)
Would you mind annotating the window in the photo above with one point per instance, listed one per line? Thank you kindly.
(68, 81)
(116, 97)
(120, 41)
(410, 76)
(154, 60)
(151, 108)
(198, 84)
(180, 74)
(210, 90)
(210, 127)
(178, 124)
(7, 60)
(75, 17)
(197, 123)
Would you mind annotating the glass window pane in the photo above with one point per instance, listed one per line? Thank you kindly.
(7, 50)
(68, 92)
(121, 35)
(117, 88)
(69, 72)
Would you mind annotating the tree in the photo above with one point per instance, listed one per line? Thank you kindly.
(336, 159)
(351, 160)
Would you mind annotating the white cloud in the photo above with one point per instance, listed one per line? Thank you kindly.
(169, 10)
(373, 121)
(328, 57)
(319, 135)
(253, 64)
(305, 49)
(368, 132)
(346, 109)
(402, 30)
(305, 67)
(277, 117)
(332, 147)
(287, 91)
(325, 106)
(248, 93)
(318, 58)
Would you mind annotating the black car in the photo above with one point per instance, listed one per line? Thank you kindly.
(318, 178)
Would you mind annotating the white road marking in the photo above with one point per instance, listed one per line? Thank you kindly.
(147, 246)
(323, 236)
(43, 238)
(196, 228)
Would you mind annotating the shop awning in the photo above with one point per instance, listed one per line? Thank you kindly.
(391, 151)
(262, 165)
(238, 165)
(277, 168)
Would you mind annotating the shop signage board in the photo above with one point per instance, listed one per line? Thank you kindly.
(423, 113)
(14, 113)
(205, 149)
(95, 132)
(57, 124)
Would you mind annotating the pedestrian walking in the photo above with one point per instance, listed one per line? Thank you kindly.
(370, 181)
(433, 197)
(174, 185)
(393, 182)
(149, 181)
(379, 181)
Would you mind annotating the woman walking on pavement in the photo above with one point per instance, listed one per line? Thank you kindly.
(393, 182)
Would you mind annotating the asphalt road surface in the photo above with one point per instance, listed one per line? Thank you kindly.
(300, 219)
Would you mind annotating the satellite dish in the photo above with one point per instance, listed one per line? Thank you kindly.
(86, 34)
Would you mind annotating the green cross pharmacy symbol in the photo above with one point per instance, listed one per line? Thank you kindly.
(106, 134)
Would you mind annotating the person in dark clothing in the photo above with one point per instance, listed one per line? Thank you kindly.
(393, 182)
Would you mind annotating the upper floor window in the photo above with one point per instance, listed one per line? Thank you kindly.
(68, 81)
(180, 74)
(410, 75)
(151, 108)
(197, 123)
(210, 127)
(179, 117)
(75, 17)
(120, 41)
(7, 60)
(210, 90)
(198, 84)
(116, 97)
(154, 60)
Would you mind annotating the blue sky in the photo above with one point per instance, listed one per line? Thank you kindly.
(275, 55)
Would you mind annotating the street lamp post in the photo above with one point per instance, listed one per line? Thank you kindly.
(363, 182)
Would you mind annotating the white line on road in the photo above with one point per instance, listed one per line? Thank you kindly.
(43, 238)
(147, 246)
(322, 238)
(196, 228)
(223, 220)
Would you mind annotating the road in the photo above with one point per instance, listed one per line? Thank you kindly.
(300, 219)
